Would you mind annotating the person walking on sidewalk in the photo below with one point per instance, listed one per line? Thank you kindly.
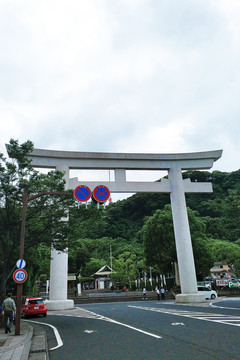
(1, 315)
(162, 293)
(144, 293)
(9, 309)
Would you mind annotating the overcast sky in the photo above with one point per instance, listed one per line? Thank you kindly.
(150, 76)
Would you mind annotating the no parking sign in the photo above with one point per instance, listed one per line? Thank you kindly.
(82, 193)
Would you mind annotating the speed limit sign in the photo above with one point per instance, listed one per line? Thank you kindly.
(19, 276)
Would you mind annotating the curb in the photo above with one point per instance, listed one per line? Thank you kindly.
(39, 345)
(30, 345)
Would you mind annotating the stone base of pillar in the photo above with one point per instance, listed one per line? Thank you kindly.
(59, 304)
(190, 298)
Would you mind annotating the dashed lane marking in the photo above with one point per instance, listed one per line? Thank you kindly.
(218, 318)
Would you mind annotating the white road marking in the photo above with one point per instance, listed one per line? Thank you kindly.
(224, 307)
(133, 328)
(91, 315)
(56, 333)
(89, 331)
(218, 318)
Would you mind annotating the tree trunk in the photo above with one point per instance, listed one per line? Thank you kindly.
(3, 284)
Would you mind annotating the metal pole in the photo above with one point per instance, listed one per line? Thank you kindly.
(21, 253)
(26, 199)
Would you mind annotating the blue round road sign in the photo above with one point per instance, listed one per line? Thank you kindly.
(82, 193)
(101, 193)
(21, 264)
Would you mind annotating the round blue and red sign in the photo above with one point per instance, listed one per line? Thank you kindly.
(82, 193)
(19, 276)
(101, 193)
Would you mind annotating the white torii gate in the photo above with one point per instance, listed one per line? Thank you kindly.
(120, 162)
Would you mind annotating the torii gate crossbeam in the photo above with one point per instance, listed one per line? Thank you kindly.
(120, 162)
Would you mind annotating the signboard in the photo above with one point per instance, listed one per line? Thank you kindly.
(19, 276)
(229, 283)
(21, 264)
(222, 282)
(101, 194)
(82, 193)
(234, 284)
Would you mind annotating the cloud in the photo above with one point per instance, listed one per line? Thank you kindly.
(122, 76)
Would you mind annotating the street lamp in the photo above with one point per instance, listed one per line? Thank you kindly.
(26, 200)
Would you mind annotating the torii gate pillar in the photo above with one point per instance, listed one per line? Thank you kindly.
(59, 268)
(183, 239)
(175, 185)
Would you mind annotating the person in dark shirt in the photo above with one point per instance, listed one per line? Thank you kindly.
(9, 308)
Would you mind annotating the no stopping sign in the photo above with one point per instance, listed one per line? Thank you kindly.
(19, 276)
(101, 193)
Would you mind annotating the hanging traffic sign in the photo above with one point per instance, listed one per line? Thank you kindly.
(82, 193)
(101, 193)
(21, 264)
(19, 276)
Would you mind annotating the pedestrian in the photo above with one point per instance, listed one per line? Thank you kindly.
(9, 308)
(162, 293)
(158, 293)
(1, 315)
(144, 293)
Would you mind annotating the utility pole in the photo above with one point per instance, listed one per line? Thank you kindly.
(26, 200)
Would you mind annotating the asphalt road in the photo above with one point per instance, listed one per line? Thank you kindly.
(146, 330)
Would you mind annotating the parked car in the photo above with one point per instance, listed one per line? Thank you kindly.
(209, 293)
(34, 306)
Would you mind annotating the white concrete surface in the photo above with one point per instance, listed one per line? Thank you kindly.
(183, 241)
(59, 304)
(58, 275)
(59, 269)
(190, 298)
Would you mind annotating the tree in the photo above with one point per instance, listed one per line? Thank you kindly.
(87, 223)
(43, 223)
(78, 256)
(92, 266)
(225, 251)
(159, 242)
(127, 265)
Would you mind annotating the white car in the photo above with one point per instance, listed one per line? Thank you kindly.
(209, 293)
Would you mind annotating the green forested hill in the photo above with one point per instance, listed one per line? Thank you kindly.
(126, 226)
(221, 208)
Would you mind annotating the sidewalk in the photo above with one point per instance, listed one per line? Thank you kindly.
(92, 296)
(30, 345)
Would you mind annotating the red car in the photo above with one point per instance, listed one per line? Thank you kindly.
(34, 306)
